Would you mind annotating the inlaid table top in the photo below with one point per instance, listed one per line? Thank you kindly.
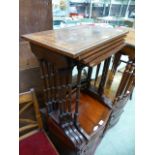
(74, 41)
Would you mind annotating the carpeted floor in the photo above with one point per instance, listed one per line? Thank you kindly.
(120, 140)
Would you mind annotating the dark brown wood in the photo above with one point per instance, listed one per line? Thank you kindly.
(108, 44)
(88, 118)
(100, 53)
(106, 55)
(75, 41)
(79, 68)
(123, 92)
(43, 77)
(97, 72)
(104, 76)
(118, 106)
(77, 119)
(119, 95)
(116, 62)
(30, 78)
(90, 70)
(27, 59)
(34, 16)
(70, 90)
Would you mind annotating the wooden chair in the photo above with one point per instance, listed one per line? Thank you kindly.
(33, 139)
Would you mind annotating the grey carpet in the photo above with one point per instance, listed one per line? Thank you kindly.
(120, 140)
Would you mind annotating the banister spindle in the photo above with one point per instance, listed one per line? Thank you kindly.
(69, 80)
(58, 90)
(54, 86)
(90, 70)
(97, 72)
(44, 84)
(51, 73)
(131, 81)
(46, 66)
(79, 68)
(63, 78)
(116, 62)
(123, 81)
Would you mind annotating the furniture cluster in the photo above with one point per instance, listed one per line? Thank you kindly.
(81, 107)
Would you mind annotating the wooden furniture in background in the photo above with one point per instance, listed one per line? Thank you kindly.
(29, 114)
(34, 16)
(76, 118)
(33, 139)
(118, 84)
(127, 82)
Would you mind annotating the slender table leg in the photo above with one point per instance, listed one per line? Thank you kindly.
(104, 76)
(79, 68)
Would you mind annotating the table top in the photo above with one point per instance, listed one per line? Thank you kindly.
(130, 38)
(74, 41)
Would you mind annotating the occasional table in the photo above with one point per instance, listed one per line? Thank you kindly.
(78, 110)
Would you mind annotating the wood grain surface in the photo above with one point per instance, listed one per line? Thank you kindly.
(75, 40)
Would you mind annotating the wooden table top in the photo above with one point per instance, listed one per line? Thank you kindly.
(130, 38)
(74, 41)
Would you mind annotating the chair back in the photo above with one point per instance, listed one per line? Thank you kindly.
(29, 114)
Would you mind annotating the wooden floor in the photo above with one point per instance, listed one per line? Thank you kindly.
(91, 112)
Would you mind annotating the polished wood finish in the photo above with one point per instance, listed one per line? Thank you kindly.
(78, 113)
(89, 119)
(119, 86)
(101, 48)
(34, 16)
(75, 41)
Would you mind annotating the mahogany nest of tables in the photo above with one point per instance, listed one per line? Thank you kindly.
(80, 42)
(77, 117)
